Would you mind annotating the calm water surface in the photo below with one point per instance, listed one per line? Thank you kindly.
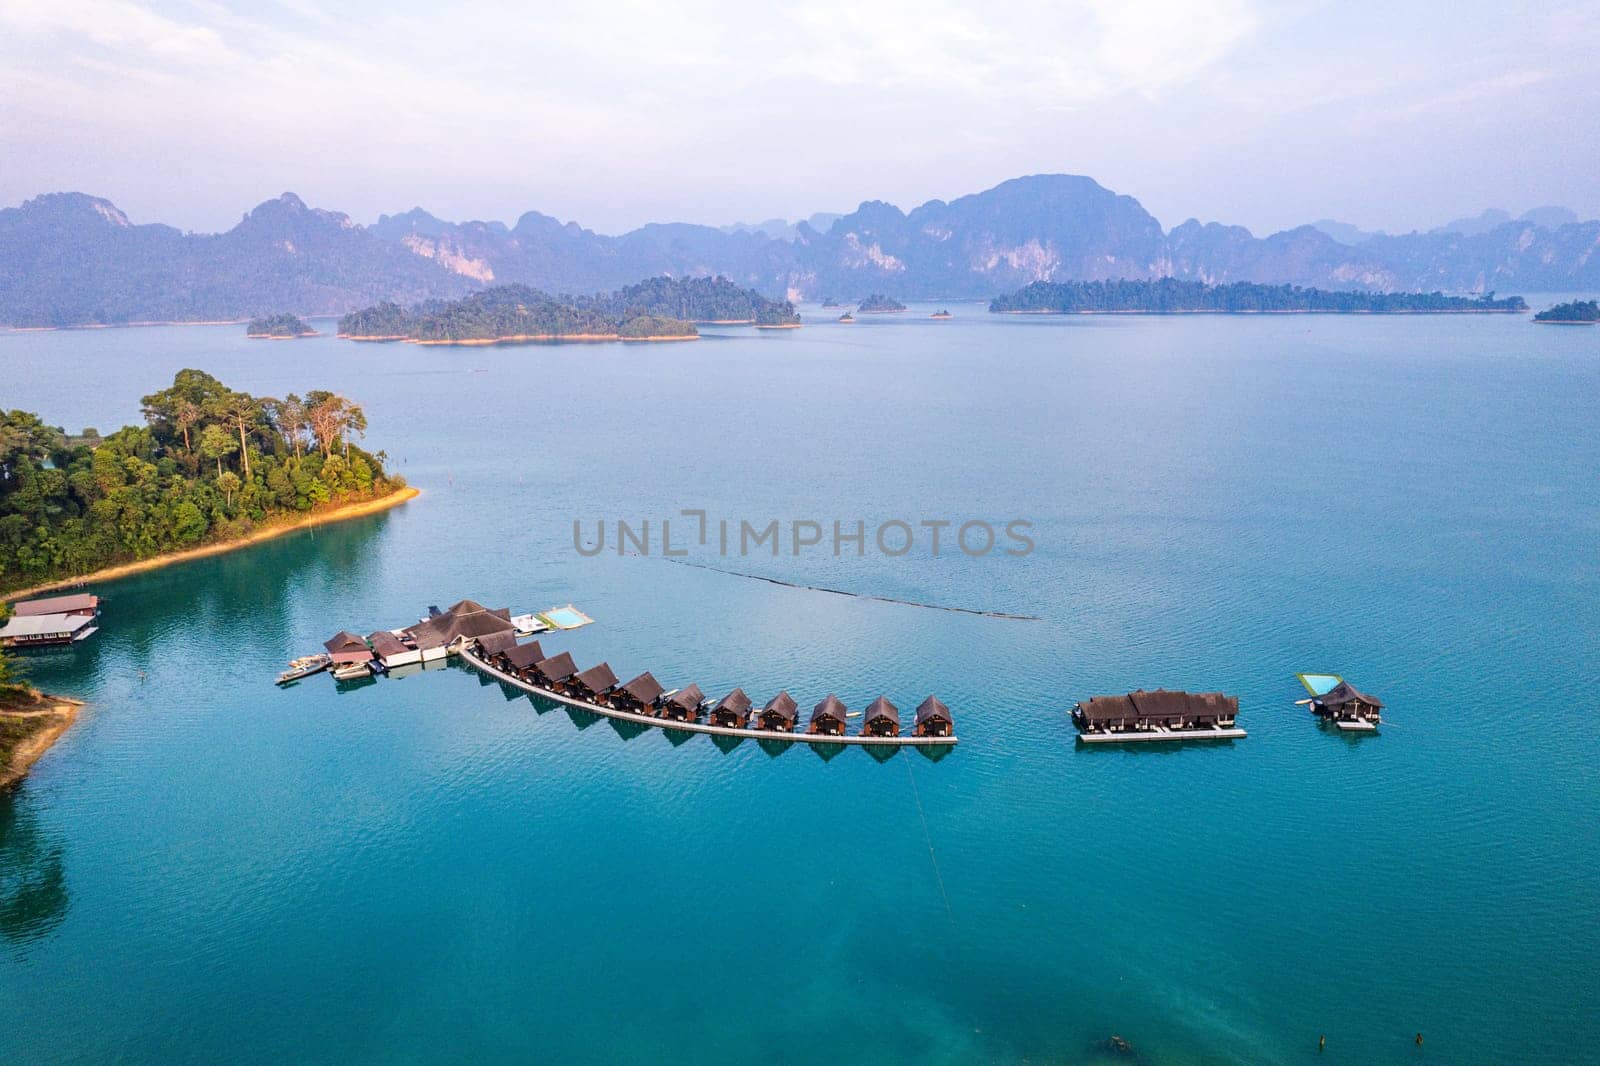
(437, 869)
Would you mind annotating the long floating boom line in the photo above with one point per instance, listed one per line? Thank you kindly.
(859, 595)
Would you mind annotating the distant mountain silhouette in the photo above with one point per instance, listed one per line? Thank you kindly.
(68, 258)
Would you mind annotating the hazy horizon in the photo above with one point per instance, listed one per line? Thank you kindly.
(1223, 110)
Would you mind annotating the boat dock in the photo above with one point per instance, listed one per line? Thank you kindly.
(1134, 736)
(471, 656)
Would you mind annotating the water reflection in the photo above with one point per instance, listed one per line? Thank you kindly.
(33, 884)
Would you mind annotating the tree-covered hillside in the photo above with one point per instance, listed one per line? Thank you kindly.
(1171, 296)
(284, 325)
(208, 465)
(1575, 311)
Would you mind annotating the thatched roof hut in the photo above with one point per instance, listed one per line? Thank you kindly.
(346, 647)
(733, 710)
(492, 645)
(779, 714)
(1344, 700)
(882, 719)
(553, 670)
(933, 719)
(521, 658)
(828, 717)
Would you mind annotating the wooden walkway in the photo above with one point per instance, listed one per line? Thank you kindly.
(702, 727)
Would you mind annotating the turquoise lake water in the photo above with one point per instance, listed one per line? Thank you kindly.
(435, 869)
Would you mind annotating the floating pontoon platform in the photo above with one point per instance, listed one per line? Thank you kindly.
(1134, 736)
(701, 727)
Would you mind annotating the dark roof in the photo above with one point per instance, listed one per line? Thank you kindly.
(597, 678)
(735, 701)
(644, 688)
(465, 619)
(495, 643)
(385, 644)
(482, 623)
(80, 601)
(688, 698)
(522, 656)
(344, 640)
(1344, 692)
(830, 707)
(465, 607)
(882, 708)
(1213, 703)
(1161, 703)
(932, 708)
(1106, 708)
(782, 705)
(557, 667)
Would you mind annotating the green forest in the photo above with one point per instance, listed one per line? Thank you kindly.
(878, 304)
(1575, 311)
(209, 464)
(279, 326)
(658, 307)
(1171, 296)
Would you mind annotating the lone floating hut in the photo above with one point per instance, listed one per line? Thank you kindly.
(592, 683)
(684, 704)
(778, 716)
(732, 711)
(828, 717)
(1349, 708)
(882, 719)
(638, 696)
(1157, 715)
(933, 719)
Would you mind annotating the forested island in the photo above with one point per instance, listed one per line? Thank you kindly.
(279, 327)
(657, 309)
(879, 304)
(1574, 313)
(1169, 296)
(209, 466)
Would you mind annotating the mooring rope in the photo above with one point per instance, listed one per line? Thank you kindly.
(927, 836)
(858, 595)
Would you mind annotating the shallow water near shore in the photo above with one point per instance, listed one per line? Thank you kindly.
(435, 868)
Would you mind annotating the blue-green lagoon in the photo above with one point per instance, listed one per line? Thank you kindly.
(435, 869)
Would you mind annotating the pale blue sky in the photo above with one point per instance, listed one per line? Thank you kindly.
(1390, 115)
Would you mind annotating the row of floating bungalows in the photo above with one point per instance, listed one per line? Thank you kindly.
(647, 697)
(1157, 715)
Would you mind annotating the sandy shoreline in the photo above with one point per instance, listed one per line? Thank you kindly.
(480, 342)
(57, 713)
(266, 532)
(1297, 311)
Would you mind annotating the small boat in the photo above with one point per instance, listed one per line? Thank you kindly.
(353, 671)
(304, 666)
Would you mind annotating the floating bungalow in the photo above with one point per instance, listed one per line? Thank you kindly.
(882, 719)
(1348, 708)
(1157, 715)
(684, 704)
(350, 655)
(493, 646)
(391, 651)
(779, 715)
(520, 659)
(933, 719)
(638, 696)
(51, 620)
(732, 710)
(592, 683)
(553, 672)
(828, 718)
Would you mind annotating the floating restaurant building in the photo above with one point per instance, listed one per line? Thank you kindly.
(1157, 715)
(52, 620)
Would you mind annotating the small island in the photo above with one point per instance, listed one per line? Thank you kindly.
(941, 313)
(847, 318)
(658, 309)
(1169, 296)
(879, 304)
(279, 327)
(1574, 313)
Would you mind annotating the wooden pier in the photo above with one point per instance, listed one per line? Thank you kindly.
(1133, 736)
(471, 656)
